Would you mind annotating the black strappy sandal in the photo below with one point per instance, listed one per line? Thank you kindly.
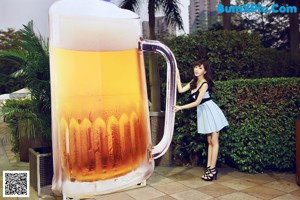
(206, 172)
(212, 175)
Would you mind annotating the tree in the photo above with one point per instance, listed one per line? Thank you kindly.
(293, 22)
(272, 27)
(172, 14)
(226, 16)
(294, 27)
(9, 40)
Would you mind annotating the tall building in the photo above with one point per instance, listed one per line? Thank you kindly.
(202, 14)
(162, 29)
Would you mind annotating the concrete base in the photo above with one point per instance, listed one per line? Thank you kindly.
(157, 120)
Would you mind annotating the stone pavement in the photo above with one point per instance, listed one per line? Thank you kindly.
(182, 183)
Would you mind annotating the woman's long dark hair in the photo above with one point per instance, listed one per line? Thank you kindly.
(207, 75)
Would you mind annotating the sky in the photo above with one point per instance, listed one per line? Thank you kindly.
(15, 13)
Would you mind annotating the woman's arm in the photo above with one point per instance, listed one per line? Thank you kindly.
(202, 91)
(179, 84)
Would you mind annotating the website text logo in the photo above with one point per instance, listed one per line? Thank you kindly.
(253, 7)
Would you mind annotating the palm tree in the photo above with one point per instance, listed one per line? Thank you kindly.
(172, 14)
(32, 57)
(19, 115)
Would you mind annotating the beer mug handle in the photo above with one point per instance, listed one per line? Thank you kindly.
(156, 46)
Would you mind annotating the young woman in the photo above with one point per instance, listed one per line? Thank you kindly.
(210, 118)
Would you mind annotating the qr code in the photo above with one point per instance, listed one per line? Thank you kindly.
(15, 183)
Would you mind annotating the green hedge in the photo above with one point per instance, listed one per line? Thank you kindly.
(261, 134)
(274, 63)
(233, 55)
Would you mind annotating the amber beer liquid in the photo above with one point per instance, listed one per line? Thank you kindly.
(101, 112)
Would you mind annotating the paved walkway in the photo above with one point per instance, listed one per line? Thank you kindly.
(182, 183)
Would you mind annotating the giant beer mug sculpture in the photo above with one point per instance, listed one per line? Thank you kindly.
(100, 118)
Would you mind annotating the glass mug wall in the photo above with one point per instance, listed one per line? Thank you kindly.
(100, 119)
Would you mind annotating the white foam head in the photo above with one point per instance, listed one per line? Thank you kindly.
(92, 25)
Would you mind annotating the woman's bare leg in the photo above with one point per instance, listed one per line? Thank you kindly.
(209, 150)
(209, 153)
(215, 149)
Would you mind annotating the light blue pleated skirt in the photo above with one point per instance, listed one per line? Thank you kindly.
(210, 118)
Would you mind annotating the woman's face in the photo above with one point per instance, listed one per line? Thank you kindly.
(199, 70)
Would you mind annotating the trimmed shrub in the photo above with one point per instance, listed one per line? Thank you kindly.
(261, 132)
(233, 54)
